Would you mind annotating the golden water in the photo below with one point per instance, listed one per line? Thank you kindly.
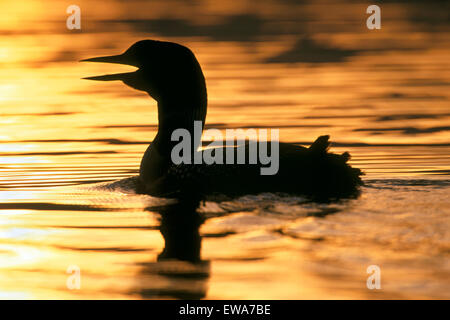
(382, 95)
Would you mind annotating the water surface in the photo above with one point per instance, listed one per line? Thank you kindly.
(308, 68)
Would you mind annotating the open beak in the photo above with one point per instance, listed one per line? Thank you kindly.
(110, 77)
(119, 59)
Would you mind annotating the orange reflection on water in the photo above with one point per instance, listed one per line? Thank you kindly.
(308, 68)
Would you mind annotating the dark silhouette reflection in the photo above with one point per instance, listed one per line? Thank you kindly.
(309, 51)
(241, 27)
(179, 271)
(180, 228)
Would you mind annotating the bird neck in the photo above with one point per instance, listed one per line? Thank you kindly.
(172, 115)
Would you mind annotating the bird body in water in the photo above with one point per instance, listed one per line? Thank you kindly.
(171, 74)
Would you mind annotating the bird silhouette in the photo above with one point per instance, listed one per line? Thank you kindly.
(171, 74)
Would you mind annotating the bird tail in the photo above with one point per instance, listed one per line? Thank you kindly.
(340, 176)
(321, 145)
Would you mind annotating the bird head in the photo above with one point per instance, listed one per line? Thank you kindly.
(166, 70)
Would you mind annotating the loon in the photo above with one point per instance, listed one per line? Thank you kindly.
(170, 74)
